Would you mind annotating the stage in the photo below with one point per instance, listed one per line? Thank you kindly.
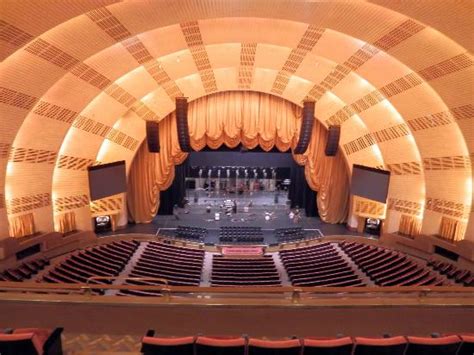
(263, 203)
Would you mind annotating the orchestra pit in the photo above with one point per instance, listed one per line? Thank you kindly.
(249, 177)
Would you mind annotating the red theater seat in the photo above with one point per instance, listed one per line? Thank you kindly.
(341, 346)
(274, 347)
(167, 346)
(31, 341)
(448, 345)
(467, 346)
(385, 346)
(220, 346)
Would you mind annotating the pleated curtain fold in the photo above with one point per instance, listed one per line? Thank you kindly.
(232, 118)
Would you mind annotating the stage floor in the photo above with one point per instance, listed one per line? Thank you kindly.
(195, 215)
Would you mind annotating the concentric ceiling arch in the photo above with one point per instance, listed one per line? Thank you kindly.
(96, 74)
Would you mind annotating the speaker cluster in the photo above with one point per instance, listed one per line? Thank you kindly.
(332, 143)
(306, 128)
(153, 136)
(182, 124)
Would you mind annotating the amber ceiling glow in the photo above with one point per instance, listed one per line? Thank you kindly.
(78, 79)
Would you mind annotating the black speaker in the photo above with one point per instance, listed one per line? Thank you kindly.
(332, 143)
(306, 128)
(182, 124)
(152, 136)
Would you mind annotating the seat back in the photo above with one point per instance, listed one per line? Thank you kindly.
(14, 344)
(433, 346)
(341, 346)
(167, 346)
(220, 346)
(382, 346)
(467, 345)
(274, 347)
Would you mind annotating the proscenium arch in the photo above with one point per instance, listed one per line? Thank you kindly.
(207, 46)
(122, 80)
(53, 189)
(78, 180)
(67, 177)
(261, 119)
(17, 176)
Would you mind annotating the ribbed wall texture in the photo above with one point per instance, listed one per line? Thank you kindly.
(79, 79)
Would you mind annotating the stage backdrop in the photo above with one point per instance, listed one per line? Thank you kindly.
(231, 118)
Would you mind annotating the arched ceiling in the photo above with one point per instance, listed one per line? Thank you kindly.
(79, 79)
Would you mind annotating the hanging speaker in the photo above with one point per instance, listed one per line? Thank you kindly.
(152, 136)
(332, 143)
(306, 128)
(182, 124)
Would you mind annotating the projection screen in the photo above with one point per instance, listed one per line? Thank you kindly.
(370, 183)
(107, 179)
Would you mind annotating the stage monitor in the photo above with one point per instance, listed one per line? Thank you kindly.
(107, 179)
(370, 183)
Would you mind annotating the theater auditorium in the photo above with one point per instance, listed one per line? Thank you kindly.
(248, 177)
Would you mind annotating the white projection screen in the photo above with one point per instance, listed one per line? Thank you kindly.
(370, 183)
(107, 179)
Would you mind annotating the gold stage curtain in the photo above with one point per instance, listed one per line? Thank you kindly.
(409, 225)
(231, 118)
(65, 222)
(246, 117)
(152, 172)
(21, 226)
(327, 175)
(451, 229)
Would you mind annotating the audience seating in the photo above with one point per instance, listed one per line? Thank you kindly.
(167, 346)
(220, 346)
(239, 235)
(244, 239)
(321, 265)
(389, 268)
(340, 346)
(25, 271)
(31, 341)
(284, 235)
(467, 345)
(178, 265)
(433, 346)
(461, 276)
(106, 260)
(244, 272)
(274, 347)
(318, 265)
(191, 233)
(368, 346)
(397, 345)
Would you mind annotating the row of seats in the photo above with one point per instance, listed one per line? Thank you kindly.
(239, 231)
(244, 272)
(25, 271)
(398, 345)
(388, 267)
(318, 265)
(31, 341)
(106, 260)
(37, 341)
(461, 276)
(191, 233)
(178, 265)
(284, 235)
(243, 239)
(240, 228)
